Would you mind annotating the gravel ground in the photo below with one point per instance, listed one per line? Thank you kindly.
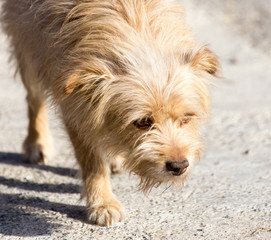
(228, 195)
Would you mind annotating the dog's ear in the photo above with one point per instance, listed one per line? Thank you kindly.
(205, 60)
(71, 83)
(84, 78)
(65, 83)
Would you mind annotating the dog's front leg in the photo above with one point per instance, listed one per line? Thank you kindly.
(102, 206)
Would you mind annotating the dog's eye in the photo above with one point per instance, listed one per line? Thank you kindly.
(186, 119)
(144, 123)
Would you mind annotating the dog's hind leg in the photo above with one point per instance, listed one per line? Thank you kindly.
(38, 144)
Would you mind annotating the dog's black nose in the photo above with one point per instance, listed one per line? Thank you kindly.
(177, 168)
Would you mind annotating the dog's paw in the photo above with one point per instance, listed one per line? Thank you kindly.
(106, 214)
(35, 153)
(116, 165)
(115, 168)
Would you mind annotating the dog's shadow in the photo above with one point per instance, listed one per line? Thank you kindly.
(17, 159)
(18, 219)
(17, 214)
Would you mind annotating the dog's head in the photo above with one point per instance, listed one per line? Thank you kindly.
(140, 86)
(156, 112)
(151, 113)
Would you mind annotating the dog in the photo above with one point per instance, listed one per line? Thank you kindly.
(131, 83)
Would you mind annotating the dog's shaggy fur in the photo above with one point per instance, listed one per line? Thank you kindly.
(130, 81)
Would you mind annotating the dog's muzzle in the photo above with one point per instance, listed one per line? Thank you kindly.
(177, 168)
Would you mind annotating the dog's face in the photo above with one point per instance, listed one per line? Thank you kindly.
(154, 116)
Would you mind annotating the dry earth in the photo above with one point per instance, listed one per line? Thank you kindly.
(228, 196)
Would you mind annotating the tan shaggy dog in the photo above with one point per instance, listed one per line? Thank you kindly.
(130, 82)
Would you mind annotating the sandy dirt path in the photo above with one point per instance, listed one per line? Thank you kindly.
(228, 195)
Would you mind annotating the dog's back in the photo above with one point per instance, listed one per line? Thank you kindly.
(38, 29)
(30, 26)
